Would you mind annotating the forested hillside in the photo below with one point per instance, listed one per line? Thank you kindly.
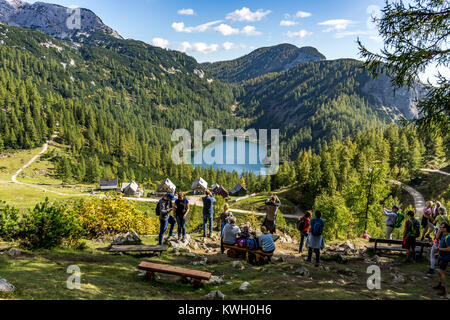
(262, 61)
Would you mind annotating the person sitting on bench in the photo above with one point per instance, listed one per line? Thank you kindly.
(265, 241)
(230, 231)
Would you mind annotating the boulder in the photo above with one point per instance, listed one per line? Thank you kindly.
(215, 280)
(302, 271)
(6, 287)
(216, 294)
(244, 286)
(201, 262)
(13, 252)
(238, 265)
(131, 238)
(341, 258)
(399, 278)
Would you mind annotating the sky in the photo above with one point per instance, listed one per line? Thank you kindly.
(217, 30)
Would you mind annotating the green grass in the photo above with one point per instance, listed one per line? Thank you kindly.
(43, 274)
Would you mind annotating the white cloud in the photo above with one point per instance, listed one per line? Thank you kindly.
(373, 11)
(245, 14)
(232, 46)
(352, 33)
(226, 30)
(200, 47)
(299, 34)
(186, 12)
(302, 14)
(160, 42)
(180, 27)
(250, 31)
(376, 39)
(336, 24)
(288, 23)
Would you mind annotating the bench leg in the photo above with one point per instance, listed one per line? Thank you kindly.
(150, 275)
(197, 283)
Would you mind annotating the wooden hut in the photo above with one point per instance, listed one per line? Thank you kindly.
(166, 187)
(109, 185)
(238, 191)
(218, 190)
(131, 189)
(199, 186)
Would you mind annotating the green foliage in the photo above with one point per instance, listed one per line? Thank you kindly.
(415, 37)
(9, 222)
(47, 226)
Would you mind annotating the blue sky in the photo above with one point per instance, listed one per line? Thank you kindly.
(224, 30)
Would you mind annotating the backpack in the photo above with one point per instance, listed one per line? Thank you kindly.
(414, 228)
(158, 209)
(241, 242)
(252, 244)
(317, 229)
(399, 221)
(301, 224)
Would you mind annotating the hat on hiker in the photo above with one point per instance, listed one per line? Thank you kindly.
(396, 207)
(171, 196)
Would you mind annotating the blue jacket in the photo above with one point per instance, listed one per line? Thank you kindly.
(266, 242)
(208, 208)
(445, 243)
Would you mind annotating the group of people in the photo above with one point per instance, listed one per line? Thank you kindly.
(435, 227)
(181, 209)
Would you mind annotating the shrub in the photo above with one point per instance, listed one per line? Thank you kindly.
(47, 226)
(113, 215)
(9, 222)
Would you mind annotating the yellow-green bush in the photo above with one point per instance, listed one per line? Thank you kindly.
(113, 215)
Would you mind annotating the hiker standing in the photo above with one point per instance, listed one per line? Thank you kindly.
(303, 226)
(426, 222)
(163, 210)
(272, 206)
(230, 231)
(434, 251)
(182, 208)
(391, 217)
(411, 233)
(224, 217)
(435, 211)
(444, 258)
(315, 240)
(208, 212)
(441, 217)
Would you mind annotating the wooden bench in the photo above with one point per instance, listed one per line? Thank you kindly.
(260, 257)
(420, 245)
(152, 268)
(139, 249)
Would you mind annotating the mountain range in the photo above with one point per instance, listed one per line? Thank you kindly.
(131, 95)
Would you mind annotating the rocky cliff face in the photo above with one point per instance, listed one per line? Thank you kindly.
(403, 99)
(57, 21)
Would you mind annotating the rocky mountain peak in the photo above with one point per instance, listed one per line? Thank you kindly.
(55, 20)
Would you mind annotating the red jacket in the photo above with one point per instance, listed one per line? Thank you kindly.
(307, 224)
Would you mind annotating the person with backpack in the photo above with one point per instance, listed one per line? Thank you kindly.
(163, 210)
(224, 217)
(272, 206)
(230, 232)
(444, 258)
(391, 217)
(182, 208)
(303, 226)
(315, 240)
(411, 233)
(265, 241)
(208, 213)
(441, 217)
(426, 222)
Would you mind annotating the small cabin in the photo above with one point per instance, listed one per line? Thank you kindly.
(166, 187)
(109, 184)
(218, 190)
(199, 186)
(238, 191)
(132, 189)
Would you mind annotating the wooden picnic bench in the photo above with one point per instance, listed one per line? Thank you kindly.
(420, 245)
(260, 257)
(139, 249)
(152, 268)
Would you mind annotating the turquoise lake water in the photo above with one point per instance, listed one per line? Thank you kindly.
(240, 156)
